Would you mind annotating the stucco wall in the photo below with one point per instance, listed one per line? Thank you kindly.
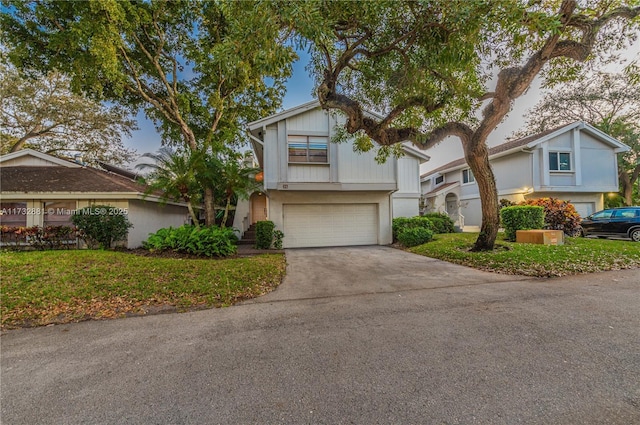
(147, 217)
(405, 207)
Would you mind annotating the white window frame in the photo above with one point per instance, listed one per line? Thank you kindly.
(435, 180)
(469, 175)
(558, 153)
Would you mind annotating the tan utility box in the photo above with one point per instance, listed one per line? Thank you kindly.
(546, 237)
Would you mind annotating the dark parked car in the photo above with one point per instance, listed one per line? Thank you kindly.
(621, 222)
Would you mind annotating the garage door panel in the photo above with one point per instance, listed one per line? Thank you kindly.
(312, 225)
(584, 208)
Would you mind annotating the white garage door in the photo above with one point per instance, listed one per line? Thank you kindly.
(330, 225)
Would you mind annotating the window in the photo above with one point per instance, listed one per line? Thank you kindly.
(308, 149)
(626, 213)
(439, 179)
(602, 215)
(13, 214)
(559, 161)
(58, 213)
(467, 176)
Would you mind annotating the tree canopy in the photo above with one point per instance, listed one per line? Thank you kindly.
(43, 114)
(199, 69)
(426, 67)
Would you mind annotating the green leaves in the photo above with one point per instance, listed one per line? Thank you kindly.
(100, 226)
(198, 69)
(201, 241)
(42, 113)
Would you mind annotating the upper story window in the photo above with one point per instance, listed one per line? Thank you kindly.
(308, 149)
(439, 180)
(560, 161)
(467, 176)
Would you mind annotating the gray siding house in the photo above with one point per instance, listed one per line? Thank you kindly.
(321, 193)
(576, 163)
(39, 190)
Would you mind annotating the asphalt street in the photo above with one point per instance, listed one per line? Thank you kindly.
(366, 335)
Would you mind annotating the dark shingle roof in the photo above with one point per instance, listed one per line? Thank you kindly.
(497, 149)
(63, 179)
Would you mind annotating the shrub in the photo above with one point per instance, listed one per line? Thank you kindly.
(202, 241)
(413, 236)
(277, 239)
(558, 214)
(505, 203)
(51, 237)
(264, 234)
(401, 223)
(521, 218)
(101, 226)
(442, 223)
(41, 238)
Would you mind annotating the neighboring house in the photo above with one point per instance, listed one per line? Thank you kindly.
(575, 162)
(324, 194)
(40, 189)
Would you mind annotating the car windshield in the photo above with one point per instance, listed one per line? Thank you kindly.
(602, 215)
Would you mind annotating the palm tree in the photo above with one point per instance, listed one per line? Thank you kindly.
(236, 178)
(174, 173)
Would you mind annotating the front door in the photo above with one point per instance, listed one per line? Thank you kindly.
(258, 207)
(452, 206)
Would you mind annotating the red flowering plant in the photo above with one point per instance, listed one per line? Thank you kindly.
(48, 237)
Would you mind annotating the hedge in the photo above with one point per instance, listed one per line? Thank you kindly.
(521, 218)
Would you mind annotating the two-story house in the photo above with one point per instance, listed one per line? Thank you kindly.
(575, 162)
(321, 193)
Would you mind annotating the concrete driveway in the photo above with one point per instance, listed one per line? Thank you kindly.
(335, 272)
(354, 335)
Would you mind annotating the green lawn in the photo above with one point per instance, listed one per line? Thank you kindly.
(40, 288)
(577, 255)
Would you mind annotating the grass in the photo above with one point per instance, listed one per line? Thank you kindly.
(40, 288)
(577, 255)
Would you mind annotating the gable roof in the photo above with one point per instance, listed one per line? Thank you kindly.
(297, 110)
(54, 160)
(63, 179)
(531, 141)
(441, 189)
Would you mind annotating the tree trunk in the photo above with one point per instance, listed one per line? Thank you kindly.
(626, 187)
(226, 212)
(209, 207)
(193, 215)
(478, 160)
(18, 145)
(628, 195)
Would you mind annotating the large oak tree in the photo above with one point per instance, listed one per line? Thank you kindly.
(197, 68)
(426, 67)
